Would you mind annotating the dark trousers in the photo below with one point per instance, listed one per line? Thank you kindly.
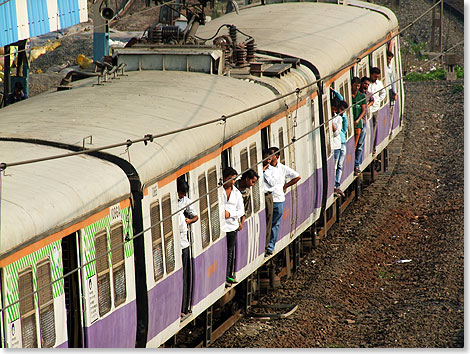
(268, 198)
(231, 241)
(186, 279)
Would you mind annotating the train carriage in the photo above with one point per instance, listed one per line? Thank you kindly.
(120, 226)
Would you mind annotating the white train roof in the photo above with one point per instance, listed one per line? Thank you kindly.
(326, 35)
(146, 102)
(42, 197)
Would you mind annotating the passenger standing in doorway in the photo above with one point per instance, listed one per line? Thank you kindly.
(244, 184)
(361, 134)
(391, 78)
(336, 123)
(338, 107)
(233, 211)
(376, 87)
(280, 177)
(186, 217)
(268, 193)
(343, 106)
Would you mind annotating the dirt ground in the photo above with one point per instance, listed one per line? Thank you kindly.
(350, 291)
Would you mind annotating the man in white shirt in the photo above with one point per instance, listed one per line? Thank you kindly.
(279, 178)
(186, 217)
(376, 87)
(233, 211)
(268, 193)
(391, 77)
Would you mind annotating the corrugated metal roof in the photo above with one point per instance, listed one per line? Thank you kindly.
(22, 19)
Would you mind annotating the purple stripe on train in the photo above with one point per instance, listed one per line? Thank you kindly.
(348, 165)
(165, 303)
(117, 330)
(396, 114)
(63, 345)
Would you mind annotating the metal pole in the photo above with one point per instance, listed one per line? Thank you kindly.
(6, 73)
(440, 31)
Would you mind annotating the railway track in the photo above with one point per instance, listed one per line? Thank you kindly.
(228, 314)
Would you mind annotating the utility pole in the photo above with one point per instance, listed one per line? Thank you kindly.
(101, 15)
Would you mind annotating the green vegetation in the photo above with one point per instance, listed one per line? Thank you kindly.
(457, 89)
(415, 48)
(383, 274)
(438, 74)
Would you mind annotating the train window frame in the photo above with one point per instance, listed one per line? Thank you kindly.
(30, 312)
(244, 163)
(46, 306)
(157, 240)
(118, 267)
(214, 216)
(326, 126)
(282, 155)
(255, 190)
(102, 274)
(204, 210)
(348, 99)
(168, 234)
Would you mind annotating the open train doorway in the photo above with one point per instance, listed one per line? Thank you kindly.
(72, 291)
(183, 183)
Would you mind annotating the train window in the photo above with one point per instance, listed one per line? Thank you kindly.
(157, 247)
(102, 271)
(244, 160)
(203, 210)
(341, 91)
(265, 138)
(281, 146)
(255, 189)
(27, 311)
(168, 234)
(118, 264)
(226, 158)
(347, 96)
(46, 304)
(326, 126)
(214, 203)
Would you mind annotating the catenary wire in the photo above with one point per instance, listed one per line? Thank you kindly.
(128, 143)
(150, 137)
(181, 209)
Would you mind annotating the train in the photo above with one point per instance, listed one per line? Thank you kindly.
(89, 238)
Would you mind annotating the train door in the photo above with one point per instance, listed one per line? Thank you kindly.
(72, 291)
(290, 151)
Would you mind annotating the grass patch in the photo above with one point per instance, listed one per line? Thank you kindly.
(457, 89)
(439, 74)
(383, 274)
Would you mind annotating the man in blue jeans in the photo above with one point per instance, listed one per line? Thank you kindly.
(280, 177)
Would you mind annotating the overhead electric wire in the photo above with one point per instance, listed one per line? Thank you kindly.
(182, 209)
(147, 138)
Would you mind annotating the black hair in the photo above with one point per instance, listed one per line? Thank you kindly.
(335, 102)
(229, 171)
(355, 80)
(375, 70)
(182, 186)
(364, 79)
(343, 105)
(389, 54)
(18, 86)
(250, 174)
(275, 150)
(266, 152)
